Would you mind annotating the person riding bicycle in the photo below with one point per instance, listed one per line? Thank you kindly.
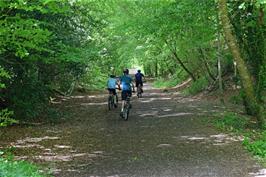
(126, 82)
(138, 80)
(111, 86)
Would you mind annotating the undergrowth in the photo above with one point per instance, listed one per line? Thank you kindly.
(254, 138)
(166, 83)
(197, 86)
(13, 168)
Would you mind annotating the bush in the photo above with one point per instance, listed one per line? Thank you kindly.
(197, 86)
(12, 168)
(6, 118)
(231, 122)
(236, 99)
(166, 83)
(255, 141)
(29, 99)
(258, 146)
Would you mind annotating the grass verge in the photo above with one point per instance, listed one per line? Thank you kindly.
(13, 168)
(254, 138)
(165, 83)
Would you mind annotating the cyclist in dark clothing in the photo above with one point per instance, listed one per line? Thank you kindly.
(138, 79)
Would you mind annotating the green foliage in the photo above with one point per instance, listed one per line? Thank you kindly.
(95, 80)
(6, 118)
(197, 86)
(232, 122)
(50, 46)
(45, 46)
(255, 139)
(258, 146)
(236, 99)
(3, 75)
(154, 30)
(12, 168)
(166, 83)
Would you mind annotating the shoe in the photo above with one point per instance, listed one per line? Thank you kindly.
(121, 114)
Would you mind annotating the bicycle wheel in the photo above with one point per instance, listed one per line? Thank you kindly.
(139, 92)
(112, 102)
(126, 112)
(115, 101)
(109, 102)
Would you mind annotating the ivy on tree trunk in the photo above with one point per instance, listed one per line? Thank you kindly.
(249, 94)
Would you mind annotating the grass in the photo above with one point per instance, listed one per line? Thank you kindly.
(13, 168)
(231, 122)
(254, 138)
(165, 83)
(197, 86)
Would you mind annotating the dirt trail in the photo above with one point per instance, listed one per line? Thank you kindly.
(164, 136)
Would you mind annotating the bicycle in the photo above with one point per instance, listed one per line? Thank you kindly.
(127, 107)
(139, 91)
(111, 101)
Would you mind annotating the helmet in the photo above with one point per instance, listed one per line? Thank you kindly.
(139, 71)
(126, 71)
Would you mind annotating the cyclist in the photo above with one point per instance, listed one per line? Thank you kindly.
(126, 82)
(111, 85)
(138, 79)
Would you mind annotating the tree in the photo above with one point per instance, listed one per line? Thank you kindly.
(252, 104)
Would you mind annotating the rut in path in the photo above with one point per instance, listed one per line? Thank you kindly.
(164, 136)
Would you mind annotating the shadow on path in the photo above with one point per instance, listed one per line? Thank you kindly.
(164, 136)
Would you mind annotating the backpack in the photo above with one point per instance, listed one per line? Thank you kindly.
(138, 77)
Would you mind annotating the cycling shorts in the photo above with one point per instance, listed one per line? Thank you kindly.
(139, 83)
(112, 91)
(125, 94)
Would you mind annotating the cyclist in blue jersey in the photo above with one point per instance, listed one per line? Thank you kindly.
(138, 79)
(126, 83)
(111, 86)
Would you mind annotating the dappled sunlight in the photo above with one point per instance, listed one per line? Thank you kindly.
(103, 95)
(186, 100)
(260, 173)
(196, 138)
(148, 100)
(62, 146)
(78, 96)
(167, 110)
(94, 104)
(54, 152)
(175, 114)
(53, 131)
(27, 146)
(156, 94)
(35, 140)
(164, 145)
(56, 102)
(216, 140)
(192, 106)
(148, 113)
(55, 157)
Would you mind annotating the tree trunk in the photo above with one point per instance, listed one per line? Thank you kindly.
(180, 62)
(244, 74)
(206, 64)
(219, 67)
(183, 66)
(156, 67)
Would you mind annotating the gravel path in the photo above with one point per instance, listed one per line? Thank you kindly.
(164, 136)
